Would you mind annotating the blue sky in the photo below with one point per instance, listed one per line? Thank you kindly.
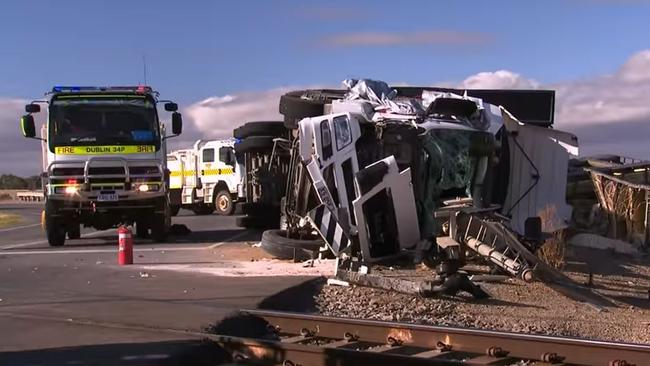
(228, 62)
(196, 49)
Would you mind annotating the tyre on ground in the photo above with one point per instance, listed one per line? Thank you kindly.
(276, 243)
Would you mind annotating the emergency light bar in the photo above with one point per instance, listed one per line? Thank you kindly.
(79, 89)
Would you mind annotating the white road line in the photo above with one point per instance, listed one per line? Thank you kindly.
(84, 251)
(18, 227)
(227, 240)
(38, 242)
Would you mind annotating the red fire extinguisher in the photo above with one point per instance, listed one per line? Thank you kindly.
(125, 246)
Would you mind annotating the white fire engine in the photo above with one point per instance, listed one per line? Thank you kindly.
(205, 178)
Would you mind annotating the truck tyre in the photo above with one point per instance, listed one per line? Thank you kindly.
(223, 202)
(159, 227)
(54, 227)
(260, 128)
(254, 143)
(299, 104)
(175, 209)
(74, 231)
(141, 229)
(276, 243)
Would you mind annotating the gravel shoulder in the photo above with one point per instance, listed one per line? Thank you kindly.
(520, 307)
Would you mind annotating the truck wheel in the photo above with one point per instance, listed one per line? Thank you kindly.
(254, 143)
(54, 227)
(74, 231)
(299, 104)
(223, 202)
(141, 229)
(260, 128)
(175, 209)
(276, 243)
(159, 228)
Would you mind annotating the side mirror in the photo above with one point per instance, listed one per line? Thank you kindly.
(177, 123)
(32, 108)
(27, 125)
(171, 107)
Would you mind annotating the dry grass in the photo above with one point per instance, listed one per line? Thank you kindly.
(9, 219)
(553, 251)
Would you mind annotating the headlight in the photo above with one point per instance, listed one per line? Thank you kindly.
(71, 190)
(147, 187)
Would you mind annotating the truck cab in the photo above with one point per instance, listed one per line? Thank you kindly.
(104, 160)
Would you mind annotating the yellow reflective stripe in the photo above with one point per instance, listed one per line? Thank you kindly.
(102, 150)
(178, 173)
(218, 171)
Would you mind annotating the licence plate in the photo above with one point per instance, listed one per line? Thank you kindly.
(107, 197)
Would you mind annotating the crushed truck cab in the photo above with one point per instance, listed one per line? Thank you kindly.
(104, 162)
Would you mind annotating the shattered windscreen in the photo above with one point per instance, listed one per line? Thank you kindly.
(450, 162)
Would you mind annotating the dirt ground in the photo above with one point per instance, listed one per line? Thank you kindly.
(522, 307)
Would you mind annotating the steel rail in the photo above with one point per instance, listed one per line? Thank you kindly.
(341, 337)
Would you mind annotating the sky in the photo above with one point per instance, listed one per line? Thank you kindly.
(226, 63)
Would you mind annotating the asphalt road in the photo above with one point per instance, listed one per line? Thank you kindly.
(75, 305)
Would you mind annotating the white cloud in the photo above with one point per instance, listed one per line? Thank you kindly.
(217, 116)
(608, 113)
(502, 79)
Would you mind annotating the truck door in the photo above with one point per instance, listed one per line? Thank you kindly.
(227, 167)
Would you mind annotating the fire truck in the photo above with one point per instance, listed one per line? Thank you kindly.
(104, 160)
(205, 178)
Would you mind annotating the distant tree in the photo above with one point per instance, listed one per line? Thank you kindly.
(33, 182)
(10, 181)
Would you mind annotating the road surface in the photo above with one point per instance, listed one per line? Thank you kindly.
(74, 304)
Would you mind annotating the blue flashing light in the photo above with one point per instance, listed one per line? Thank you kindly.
(75, 89)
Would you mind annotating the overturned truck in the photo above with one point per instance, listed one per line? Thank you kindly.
(436, 175)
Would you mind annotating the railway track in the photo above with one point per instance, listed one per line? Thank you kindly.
(299, 339)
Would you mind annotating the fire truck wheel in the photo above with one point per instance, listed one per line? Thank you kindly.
(254, 143)
(175, 209)
(276, 243)
(141, 229)
(54, 227)
(159, 227)
(260, 128)
(74, 231)
(223, 202)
